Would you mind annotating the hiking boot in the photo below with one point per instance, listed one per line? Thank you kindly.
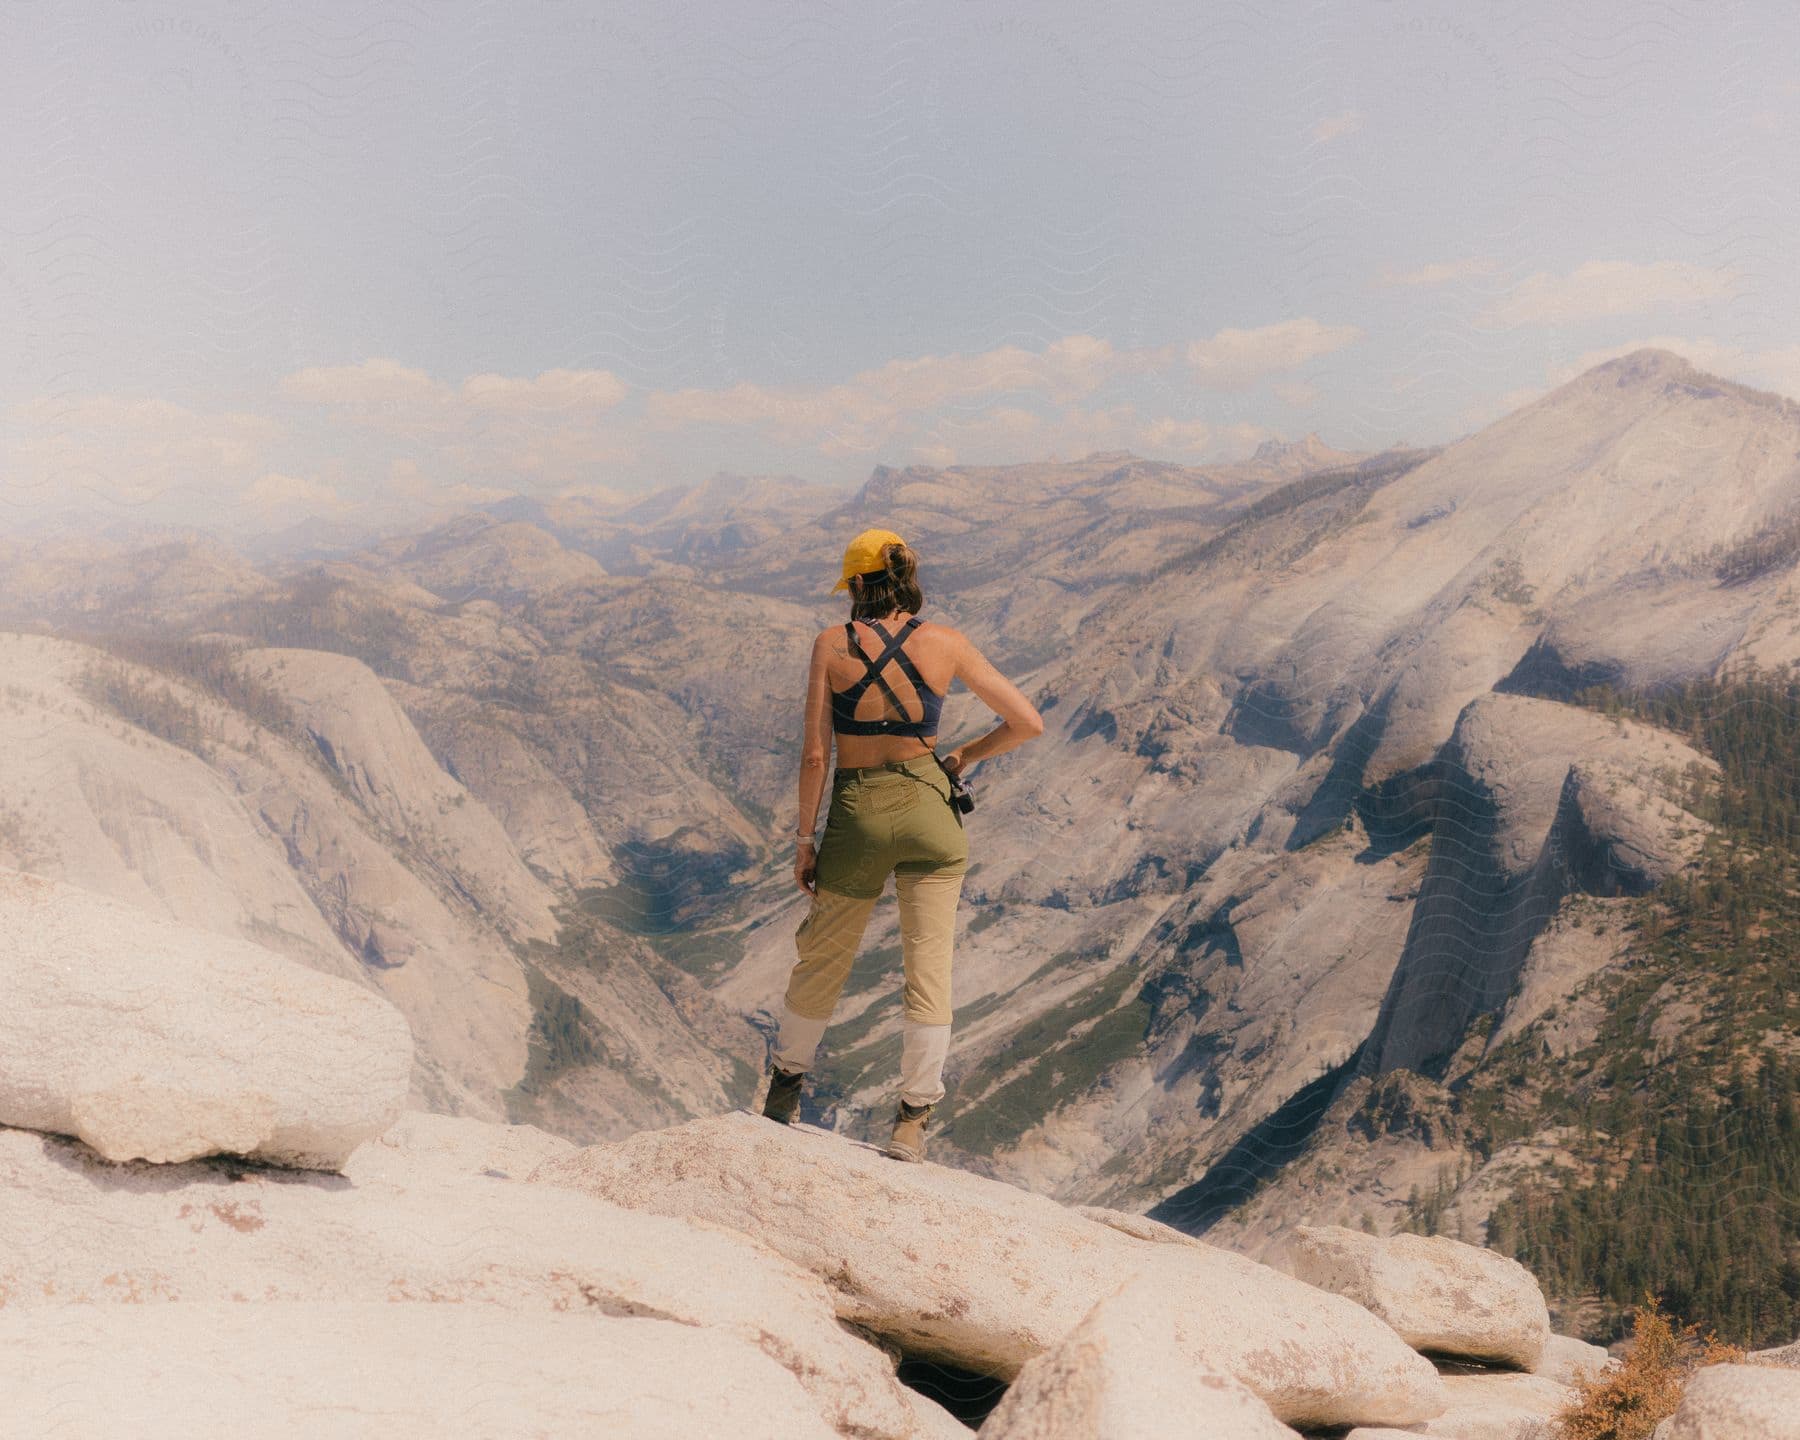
(908, 1142)
(784, 1094)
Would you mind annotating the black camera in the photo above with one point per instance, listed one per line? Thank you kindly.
(959, 792)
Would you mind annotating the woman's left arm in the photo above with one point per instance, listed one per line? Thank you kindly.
(815, 755)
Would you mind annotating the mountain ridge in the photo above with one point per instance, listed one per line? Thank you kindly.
(1196, 898)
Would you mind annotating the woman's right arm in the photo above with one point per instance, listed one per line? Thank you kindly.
(1019, 719)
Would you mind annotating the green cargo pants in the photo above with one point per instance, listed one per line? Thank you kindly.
(894, 818)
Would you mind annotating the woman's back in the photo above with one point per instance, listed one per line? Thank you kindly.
(932, 651)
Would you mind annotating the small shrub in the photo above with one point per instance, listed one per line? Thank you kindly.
(1627, 1403)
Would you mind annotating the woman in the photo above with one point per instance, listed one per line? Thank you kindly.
(876, 684)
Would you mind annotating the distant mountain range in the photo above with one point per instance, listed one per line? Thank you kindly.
(1317, 823)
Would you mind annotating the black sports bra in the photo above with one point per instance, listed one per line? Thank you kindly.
(843, 702)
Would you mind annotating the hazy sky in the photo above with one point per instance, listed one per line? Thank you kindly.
(264, 262)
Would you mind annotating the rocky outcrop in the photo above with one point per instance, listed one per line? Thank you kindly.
(1263, 975)
(421, 1144)
(1497, 1406)
(247, 836)
(1533, 801)
(150, 1040)
(554, 836)
(1573, 1361)
(1785, 1356)
(1737, 1402)
(934, 1421)
(474, 557)
(371, 745)
(75, 1231)
(380, 871)
(367, 1370)
(1126, 1373)
(954, 1267)
(1439, 1294)
(1342, 623)
(787, 1275)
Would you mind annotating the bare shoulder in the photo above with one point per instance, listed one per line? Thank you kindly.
(947, 650)
(946, 635)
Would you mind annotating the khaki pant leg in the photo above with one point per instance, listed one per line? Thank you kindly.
(928, 902)
(827, 940)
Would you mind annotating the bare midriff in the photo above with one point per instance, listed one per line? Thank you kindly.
(856, 751)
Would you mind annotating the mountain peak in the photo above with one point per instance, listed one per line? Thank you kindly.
(1297, 456)
(1649, 365)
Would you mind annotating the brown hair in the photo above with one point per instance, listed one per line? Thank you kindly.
(894, 588)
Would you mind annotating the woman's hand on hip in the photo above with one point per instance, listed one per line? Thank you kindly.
(806, 866)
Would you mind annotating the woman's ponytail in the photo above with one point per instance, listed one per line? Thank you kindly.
(902, 565)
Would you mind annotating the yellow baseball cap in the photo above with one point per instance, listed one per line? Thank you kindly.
(864, 554)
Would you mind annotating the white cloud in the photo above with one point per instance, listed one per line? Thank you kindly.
(380, 435)
(1443, 272)
(409, 481)
(553, 391)
(1234, 359)
(1183, 439)
(372, 384)
(129, 451)
(552, 427)
(226, 435)
(1606, 287)
(565, 426)
(598, 494)
(385, 392)
(1335, 127)
(277, 492)
(875, 405)
(1007, 434)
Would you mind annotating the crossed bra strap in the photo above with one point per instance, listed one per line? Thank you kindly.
(843, 702)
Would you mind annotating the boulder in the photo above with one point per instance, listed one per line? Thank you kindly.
(959, 1268)
(1738, 1402)
(935, 1422)
(1497, 1406)
(1126, 1373)
(378, 1371)
(1139, 1227)
(1438, 1294)
(1785, 1356)
(75, 1230)
(420, 1144)
(1572, 1361)
(150, 1040)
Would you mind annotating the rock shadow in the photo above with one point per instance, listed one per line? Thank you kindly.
(1258, 1156)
